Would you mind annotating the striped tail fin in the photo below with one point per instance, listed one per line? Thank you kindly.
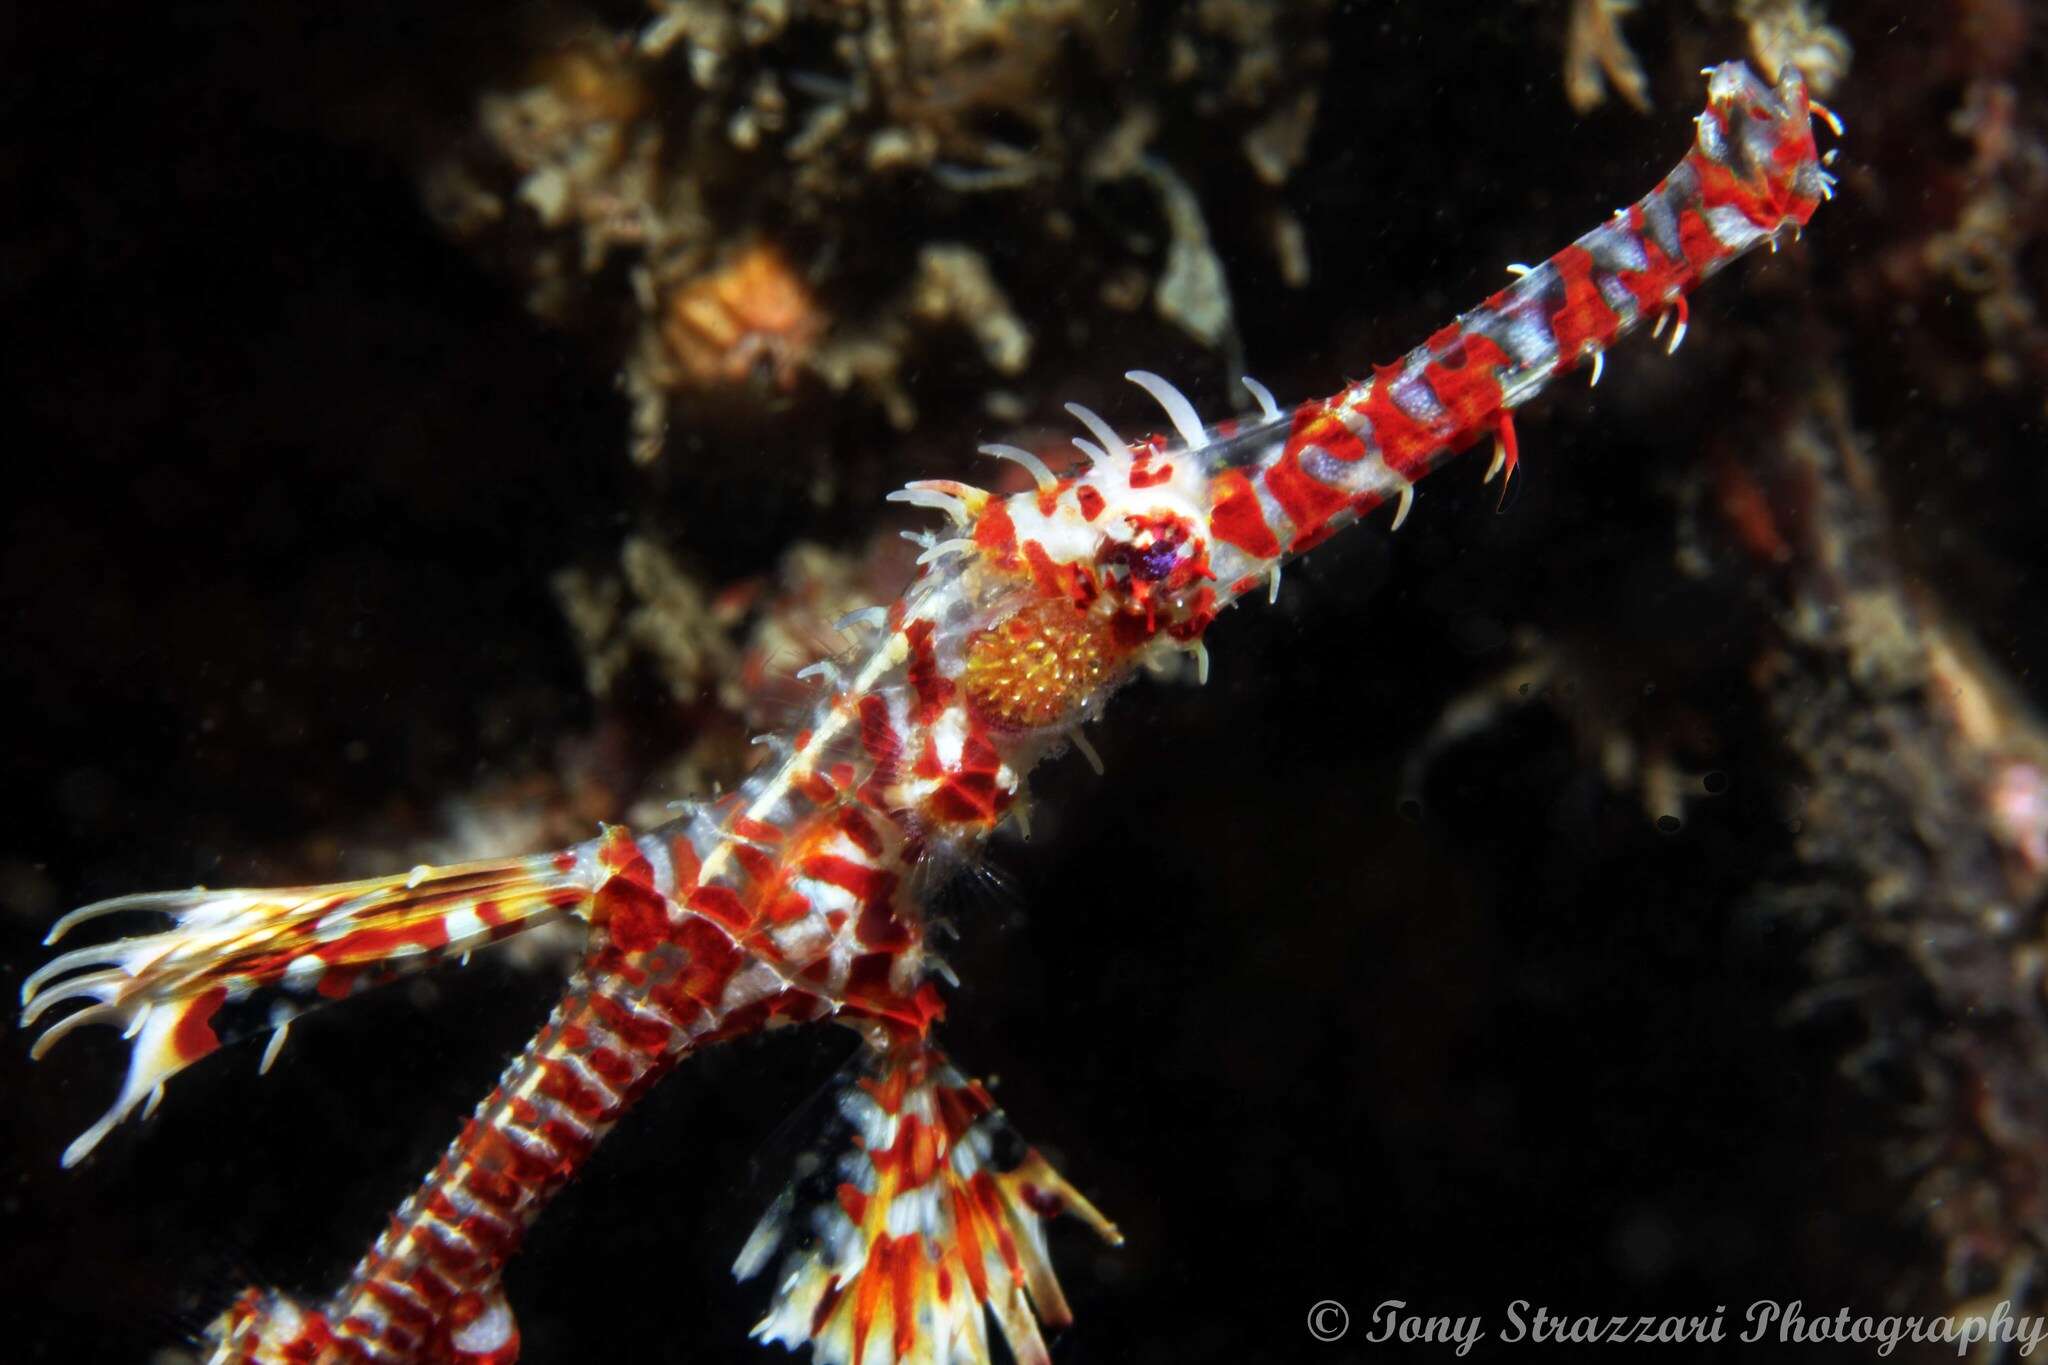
(926, 1211)
(239, 962)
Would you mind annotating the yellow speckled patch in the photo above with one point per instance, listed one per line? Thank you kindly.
(1033, 669)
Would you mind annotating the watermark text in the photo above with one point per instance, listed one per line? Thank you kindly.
(1765, 1321)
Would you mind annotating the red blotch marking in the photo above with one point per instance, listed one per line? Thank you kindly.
(618, 852)
(456, 1258)
(399, 1306)
(970, 794)
(642, 1035)
(1142, 477)
(1089, 501)
(904, 1264)
(1049, 498)
(867, 983)
(487, 1184)
(1720, 186)
(1661, 279)
(1308, 502)
(559, 1084)
(1237, 518)
(575, 1146)
(994, 531)
(1585, 317)
(1068, 582)
(990, 1200)
(1466, 380)
(914, 1157)
(1131, 629)
(889, 1089)
(193, 1036)
(758, 866)
(373, 943)
(1044, 1203)
(712, 959)
(1200, 613)
(860, 831)
(878, 732)
(933, 688)
(721, 904)
(749, 828)
(927, 1007)
(336, 983)
(1701, 247)
(1316, 424)
(429, 1284)
(867, 1295)
(1405, 444)
(633, 916)
(565, 861)
(787, 907)
(866, 884)
(922, 1150)
(611, 1066)
(1792, 152)
(828, 1304)
(683, 854)
(966, 1227)
(879, 928)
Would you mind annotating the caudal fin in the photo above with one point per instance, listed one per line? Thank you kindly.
(235, 963)
(925, 1211)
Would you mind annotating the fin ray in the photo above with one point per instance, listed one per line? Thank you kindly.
(238, 962)
(926, 1215)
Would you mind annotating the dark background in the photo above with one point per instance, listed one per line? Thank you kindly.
(288, 474)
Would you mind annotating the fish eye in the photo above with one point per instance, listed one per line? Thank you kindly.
(1156, 546)
(1152, 562)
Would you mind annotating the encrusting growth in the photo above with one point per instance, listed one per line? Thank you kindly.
(800, 896)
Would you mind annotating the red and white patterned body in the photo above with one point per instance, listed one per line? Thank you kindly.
(799, 897)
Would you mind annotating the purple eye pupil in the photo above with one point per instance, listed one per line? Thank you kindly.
(1154, 562)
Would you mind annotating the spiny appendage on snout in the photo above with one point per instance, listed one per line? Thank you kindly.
(240, 962)
(1763, 136)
